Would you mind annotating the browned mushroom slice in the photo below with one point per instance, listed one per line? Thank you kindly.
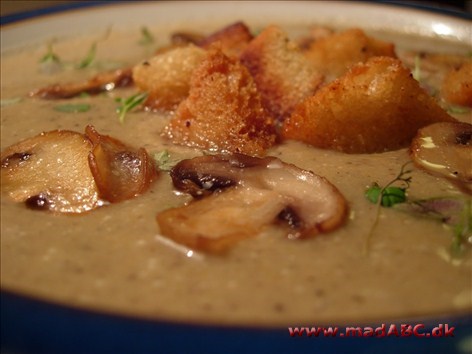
(253, 193)
(216, 223)
(102, 82)
(184, 38)
(445, 149)
(232, 39)
(120, 171)
(51, 172)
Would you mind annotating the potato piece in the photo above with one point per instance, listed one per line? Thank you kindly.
(50, 171)
(376, 106)
(166, 76)
(223, 111)
(457, 85)
(282, 74)
(335, 54)
(120, 171)
(232, 39)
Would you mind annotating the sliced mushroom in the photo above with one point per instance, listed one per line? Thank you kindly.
(51, 172)
(247, 195)
(216, 223)
(69, 172)
(445, 149)
(232, 39)
(120, 171)
(102, 82)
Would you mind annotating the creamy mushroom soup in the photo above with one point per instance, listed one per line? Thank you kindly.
(383, 263)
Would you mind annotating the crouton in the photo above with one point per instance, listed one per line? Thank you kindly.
(316, 32)
(457, 85)
(166, 76)
(223, 111)
(232, 39)
(282, 74)
(333, 55)
(376, 106)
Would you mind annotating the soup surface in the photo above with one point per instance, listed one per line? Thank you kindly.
(383, 264)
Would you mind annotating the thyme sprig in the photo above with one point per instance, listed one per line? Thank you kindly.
(50, 56)
(146, 37)
(454, 212)
(50, 62)
(387, 196)
(164, 161)
(391, 195)
(462, 229)
(454, 109)
(451, 211)
(89, 58)
(73, 107)
(128, 104)
(10, 101)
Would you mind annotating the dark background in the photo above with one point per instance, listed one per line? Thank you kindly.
(464, 5)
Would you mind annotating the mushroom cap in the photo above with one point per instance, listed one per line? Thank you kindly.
(445, 149)
(238, 196)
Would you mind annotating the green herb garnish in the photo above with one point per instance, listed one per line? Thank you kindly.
(146, 37)
(387, 196)
(457, 109)
(89, 58)
(9, 101)
(453, 212)
(50, 56)
(50, 62)
(127, 104)
(462, 229)
(163, 160)
(73, 108)
(390, 195)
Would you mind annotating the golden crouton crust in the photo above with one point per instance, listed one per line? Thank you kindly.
(457, 85)
(166, 76)
(223, 111)
(232, 39)
(282, 74)
(333, 55)
(376, 106)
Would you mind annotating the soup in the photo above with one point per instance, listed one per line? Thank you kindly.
(382, 264)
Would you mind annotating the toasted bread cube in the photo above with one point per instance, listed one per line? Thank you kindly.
(315, 33)
(376, 106)
(166, 76)
(223, 111)
(457, 85)
(333, 55)
(282, 74)
(232, 39)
